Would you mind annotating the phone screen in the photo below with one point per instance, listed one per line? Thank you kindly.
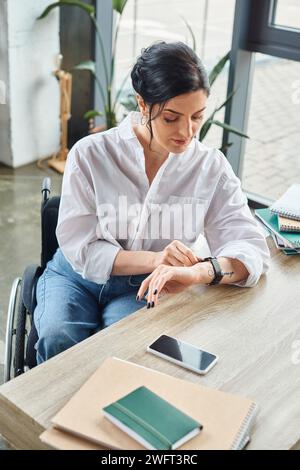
(183, 352)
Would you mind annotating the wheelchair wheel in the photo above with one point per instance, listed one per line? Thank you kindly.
(19, 359)
(10, 337)
(16, 333)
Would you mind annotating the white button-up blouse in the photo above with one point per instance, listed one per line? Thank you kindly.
(107, 205)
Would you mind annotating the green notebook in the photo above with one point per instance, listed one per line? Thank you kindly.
(271, 222)
(151, 420)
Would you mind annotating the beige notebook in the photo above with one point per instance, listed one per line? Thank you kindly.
(227, 419)
(288, 225)
(64, 440)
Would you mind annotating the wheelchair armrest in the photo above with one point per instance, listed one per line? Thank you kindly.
(29, 282)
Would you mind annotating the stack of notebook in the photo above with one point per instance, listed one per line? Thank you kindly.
(282, 220)
(127, 406)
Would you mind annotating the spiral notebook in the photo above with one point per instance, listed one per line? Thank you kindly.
(281, 246)
(270, 220)
(288, 225)
(227, 419)
(288, 205)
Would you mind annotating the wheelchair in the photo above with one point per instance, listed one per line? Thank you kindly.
(21, 334)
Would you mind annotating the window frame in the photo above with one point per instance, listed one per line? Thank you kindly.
(268, 38)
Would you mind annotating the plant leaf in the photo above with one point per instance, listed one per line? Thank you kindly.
(92, 113)
(129, 102)
(89, 9)
(204, 129)
(119, 5)
(90, 66)
(225, 102)
(87, 65)
(229, 128)
(206, 126)
(191, 32)
(218, 68)
(102, 49)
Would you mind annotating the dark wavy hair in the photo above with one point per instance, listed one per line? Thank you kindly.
(165, 70)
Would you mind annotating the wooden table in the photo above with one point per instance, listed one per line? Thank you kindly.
(256, 333)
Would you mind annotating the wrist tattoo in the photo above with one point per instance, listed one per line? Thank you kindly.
(228, 274)
(211, 273)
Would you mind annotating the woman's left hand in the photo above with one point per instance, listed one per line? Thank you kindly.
(166, 279)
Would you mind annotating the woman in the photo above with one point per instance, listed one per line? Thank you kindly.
(135, 200)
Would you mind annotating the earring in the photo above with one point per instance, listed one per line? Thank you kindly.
(143, 119)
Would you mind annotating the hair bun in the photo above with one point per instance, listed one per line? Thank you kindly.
(137, 77)
(165, 70)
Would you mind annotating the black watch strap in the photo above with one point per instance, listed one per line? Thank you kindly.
(217, 270)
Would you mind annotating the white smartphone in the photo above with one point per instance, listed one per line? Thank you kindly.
(183, 354)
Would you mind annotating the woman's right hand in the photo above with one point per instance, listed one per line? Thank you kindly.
(176, 254)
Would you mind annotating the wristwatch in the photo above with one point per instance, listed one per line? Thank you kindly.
(217, 270)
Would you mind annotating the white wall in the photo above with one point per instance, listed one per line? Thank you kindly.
(5, 150)
(30, 118)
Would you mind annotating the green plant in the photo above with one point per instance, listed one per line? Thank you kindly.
(110, 104)
(217, 69)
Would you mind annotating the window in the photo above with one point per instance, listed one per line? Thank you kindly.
(286, 14)
(272, 160)
(268, 96)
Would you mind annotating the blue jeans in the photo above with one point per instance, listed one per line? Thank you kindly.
(70, 309)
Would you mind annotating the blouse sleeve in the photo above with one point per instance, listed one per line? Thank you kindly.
(232, 231)
(78, 226)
